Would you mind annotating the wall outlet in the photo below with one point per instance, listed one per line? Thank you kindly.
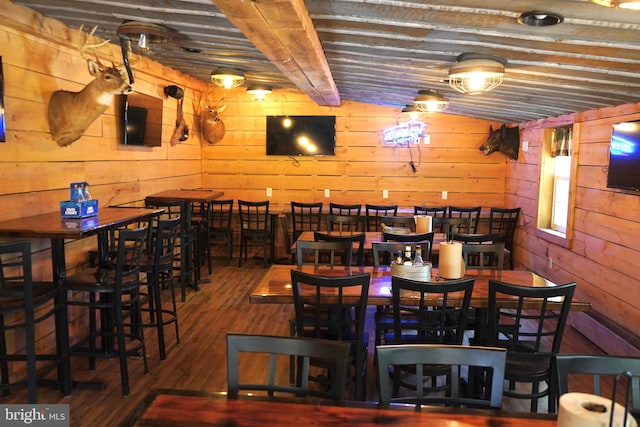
(327, 192)
(444, 195)
(269, 192)
(426, 139)
(385, 194)
(525, 145)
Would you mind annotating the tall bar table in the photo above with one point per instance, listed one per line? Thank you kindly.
(52, 226)
(189, 274)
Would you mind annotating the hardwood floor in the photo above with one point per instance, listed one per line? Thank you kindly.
(199, 362)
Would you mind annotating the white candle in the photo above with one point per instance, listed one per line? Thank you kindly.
(423, 223)
(450, 263)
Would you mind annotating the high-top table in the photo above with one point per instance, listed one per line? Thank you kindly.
(168, 407)
(189, 274)
(52, 226)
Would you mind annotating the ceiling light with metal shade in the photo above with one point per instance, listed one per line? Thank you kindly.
(430, 101)
(227, 78)
(475, 74)
(142, 36)
(538, 18)
(259, 91)
(622, 4)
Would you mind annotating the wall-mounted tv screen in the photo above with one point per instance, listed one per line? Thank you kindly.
(624, 156)
(139, 119)
(301, 135)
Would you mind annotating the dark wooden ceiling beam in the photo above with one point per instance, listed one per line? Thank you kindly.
(283, 31)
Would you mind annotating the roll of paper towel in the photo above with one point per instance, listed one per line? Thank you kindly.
(451, 265)
(423, 223)
(589, 410)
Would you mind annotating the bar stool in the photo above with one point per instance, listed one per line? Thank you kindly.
(33, 303)
(157, 264)
(118, 285)
(220, 218)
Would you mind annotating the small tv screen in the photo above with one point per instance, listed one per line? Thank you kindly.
(301, 135)
(624, 156)
(139, 119)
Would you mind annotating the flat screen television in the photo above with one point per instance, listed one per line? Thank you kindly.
(139, 119)
(624, 156)
(301, 135)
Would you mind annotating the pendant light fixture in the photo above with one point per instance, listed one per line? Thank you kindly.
(475, 74)
(430, 101)
(622, 4)
(227, 78)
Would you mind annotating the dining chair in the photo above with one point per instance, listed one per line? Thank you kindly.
(473, 213)
(255, 226)
(395, 221)
(25, 306)
(418, 358)
(412, 238)
(531, 330)
(483, 256)
(602, 370)
(305, 217)
(344, 209)
(322, 312)
(345, 223)
(332, 356)
(200, 220)
(435, 211)
(451, 226)
(357, 245)
(118, 286)
(437, 314)
(383, 253)
(157, 265)
(504, 222)
(323, 250)
(374, 212)
(221, 228)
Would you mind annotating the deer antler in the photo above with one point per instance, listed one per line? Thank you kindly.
(86, 45)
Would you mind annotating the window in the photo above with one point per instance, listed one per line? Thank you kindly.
(557, 179)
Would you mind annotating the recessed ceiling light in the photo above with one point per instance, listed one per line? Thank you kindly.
(537, 18)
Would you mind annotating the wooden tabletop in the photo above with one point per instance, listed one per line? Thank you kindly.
(53, 226)
(369, 238)
(275, 286)
(186, 195)
(192, 408)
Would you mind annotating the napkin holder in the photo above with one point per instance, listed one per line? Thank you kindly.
(421, 273)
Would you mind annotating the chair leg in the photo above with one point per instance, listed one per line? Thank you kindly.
(122, 350)
(4, 364)
(156, 297)
(30, 335)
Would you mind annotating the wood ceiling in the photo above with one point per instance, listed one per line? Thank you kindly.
(384, 51)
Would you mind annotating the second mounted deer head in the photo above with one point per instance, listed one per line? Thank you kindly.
(213, 128)
(71, 113)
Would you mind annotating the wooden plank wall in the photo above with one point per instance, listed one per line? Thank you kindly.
(601, 257)
(362, 167)
(39, 56)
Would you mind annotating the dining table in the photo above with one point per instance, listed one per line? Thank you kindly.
(275, 288)
(370, 237)
(188, 408)
(189, 272)
(57, 229)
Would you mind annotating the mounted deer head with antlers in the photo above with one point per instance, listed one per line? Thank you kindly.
(210, 122)
(71, 113)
